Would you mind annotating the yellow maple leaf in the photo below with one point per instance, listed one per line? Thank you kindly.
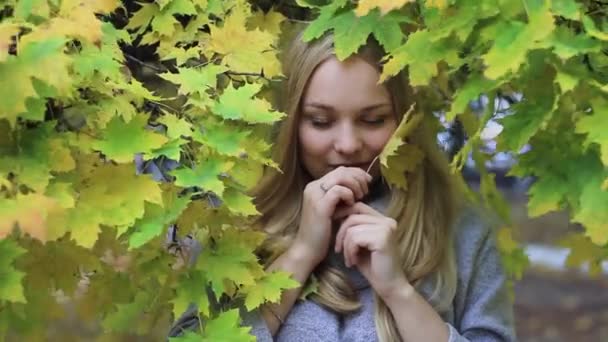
(28, 213)
(385, 6)
(406, 126)
(397, 158)
(269, 22)
(230, 40)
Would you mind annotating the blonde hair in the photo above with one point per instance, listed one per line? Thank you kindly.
(425, 212)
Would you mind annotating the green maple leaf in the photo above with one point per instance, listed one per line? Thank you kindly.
(534, 111)
(239, 203)
(121, 141)
(471, 90)
(592, 30)
(224, 138)
(226, 327)
(421, 55)
(593, 126)
(204, 174)
(583, 250)
(514, 39)
(191, 290)
(171, 150)
(231, 258)
(188, 336)
(592, 213)
(351, 31)
(195, 80)
(513, 256)
(176, 127)
(122, 319)
(10, 279)
(567, 44)
(323, 21)
(17, 73)
(239, 104)
(268, 289)
(182, 55)
(156, 219)
(566, 8)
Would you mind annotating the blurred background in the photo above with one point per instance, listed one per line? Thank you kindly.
(553, 302)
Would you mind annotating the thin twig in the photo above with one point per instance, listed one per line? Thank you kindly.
(372, 163)
(142, 63)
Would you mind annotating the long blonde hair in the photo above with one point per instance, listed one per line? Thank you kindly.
(425, 212)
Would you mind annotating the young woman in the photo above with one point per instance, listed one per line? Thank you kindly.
(391, 264)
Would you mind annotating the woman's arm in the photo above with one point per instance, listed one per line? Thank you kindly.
(294, 261)
(415, 318)
(483, 307)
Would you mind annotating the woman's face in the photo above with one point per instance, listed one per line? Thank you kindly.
(346, 117)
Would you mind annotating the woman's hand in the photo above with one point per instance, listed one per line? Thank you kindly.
(367, 239)
(321, 198)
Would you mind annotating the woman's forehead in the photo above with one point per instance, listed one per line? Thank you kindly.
(350, 84)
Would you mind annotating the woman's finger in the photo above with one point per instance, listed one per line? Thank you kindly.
(357, 208)
(358, 239)
(334, 195)
(354, 220)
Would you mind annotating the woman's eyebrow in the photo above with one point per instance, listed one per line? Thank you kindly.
(332, 109)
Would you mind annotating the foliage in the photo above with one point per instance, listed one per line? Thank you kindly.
(80, 229)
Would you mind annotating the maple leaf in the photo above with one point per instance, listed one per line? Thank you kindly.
(18, 73)
(156, 219)
(514, 39)
(421, 56)
(204, 174)
(471, 90)
(239, 104)
(592, 212)
(351, 32)
(513, 256)
(229, 40)
(10, 279)
(239, 203)
(121, 141)
(231, 258)
(227, 327)
(267, 22)
(583, 250)
(195, 80)
(397, 157)
(268, 289)
(385, 6)
(592, 126)
(122, 319)
(118, 201)
(28, 213)
(408, 123)
(190, 290)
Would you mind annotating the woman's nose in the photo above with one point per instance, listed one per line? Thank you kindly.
(347, 140)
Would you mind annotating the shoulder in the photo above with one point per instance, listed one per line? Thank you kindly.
(474, 229)
(475, 246)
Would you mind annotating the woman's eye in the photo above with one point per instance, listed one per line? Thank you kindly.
(320, 123)
(374, 121)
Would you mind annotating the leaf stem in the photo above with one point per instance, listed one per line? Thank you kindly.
(372, 163)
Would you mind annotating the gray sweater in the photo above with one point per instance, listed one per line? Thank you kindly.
(480, 311)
